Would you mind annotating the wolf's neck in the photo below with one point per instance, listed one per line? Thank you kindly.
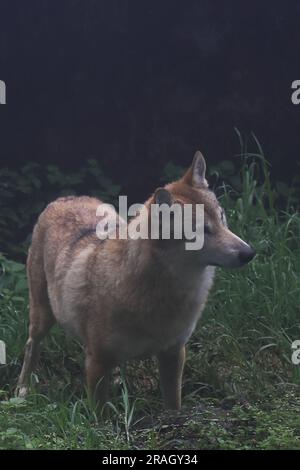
(141, 258)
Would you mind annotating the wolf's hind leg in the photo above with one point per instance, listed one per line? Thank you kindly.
(40, 321)
(29, 362)
(171, 363)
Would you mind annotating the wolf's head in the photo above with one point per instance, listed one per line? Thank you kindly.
(221, 246)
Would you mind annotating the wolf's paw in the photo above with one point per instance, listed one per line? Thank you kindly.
(21, 391)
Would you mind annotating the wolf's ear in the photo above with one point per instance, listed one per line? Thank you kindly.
(195, 176)
(163, 196)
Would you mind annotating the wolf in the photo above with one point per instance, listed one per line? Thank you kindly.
(125, 298)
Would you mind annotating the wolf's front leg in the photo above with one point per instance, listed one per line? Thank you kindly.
(171, 363)
(98, 372)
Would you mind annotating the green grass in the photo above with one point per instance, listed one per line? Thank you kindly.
(241, 390)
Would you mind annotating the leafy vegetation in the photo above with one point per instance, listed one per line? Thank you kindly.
(241, 390)
(25, 193)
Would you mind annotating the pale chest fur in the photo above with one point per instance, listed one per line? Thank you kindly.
(163, 317)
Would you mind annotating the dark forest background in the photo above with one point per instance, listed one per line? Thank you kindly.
(118, 89)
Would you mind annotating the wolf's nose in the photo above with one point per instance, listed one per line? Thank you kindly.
(247, 254)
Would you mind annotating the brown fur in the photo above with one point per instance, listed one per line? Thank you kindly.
(123, 298)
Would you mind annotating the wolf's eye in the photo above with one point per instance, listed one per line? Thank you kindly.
(207, 229)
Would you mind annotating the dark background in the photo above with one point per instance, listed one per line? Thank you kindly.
(136, 84)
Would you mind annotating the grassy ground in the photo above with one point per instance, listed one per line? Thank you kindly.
(241, 390)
